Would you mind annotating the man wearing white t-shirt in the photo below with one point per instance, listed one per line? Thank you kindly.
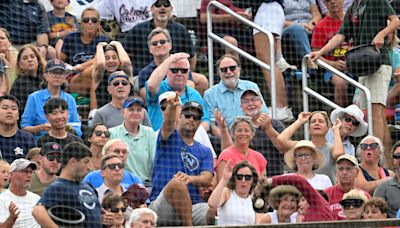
(17, 202)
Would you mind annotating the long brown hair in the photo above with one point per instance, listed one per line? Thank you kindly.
(41, 62)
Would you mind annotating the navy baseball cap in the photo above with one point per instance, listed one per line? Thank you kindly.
(133, 100)
(117, 74)
(194, 105)
(55, 64)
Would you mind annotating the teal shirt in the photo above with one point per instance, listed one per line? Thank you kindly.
(141, 148)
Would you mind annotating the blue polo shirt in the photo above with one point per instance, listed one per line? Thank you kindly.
(155, 114)
(34, 112)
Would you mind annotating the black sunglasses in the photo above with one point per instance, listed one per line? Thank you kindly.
(347, 203)
(99, 133)
(117, 83)
(225, 69)
(162, 42)
(365, 146)
(165, 4)
(176, 70)
(247, 177)
(52, 157)
(113, 166)
(354, 122)
(396, 156)
(87, 19)
(189, 115)
(116, 209)
(163, 108)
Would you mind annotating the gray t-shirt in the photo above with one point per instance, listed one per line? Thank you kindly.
(111, 116)
(298, 11)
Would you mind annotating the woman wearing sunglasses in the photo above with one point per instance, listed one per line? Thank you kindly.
(98, 137)
(242, 131)
(370, 151)
(79, 48)
(232, 196)
(353, 204)
(113, 208)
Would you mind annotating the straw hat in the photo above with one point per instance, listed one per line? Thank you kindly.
(354, 111)
(289, 156)
(277, 192)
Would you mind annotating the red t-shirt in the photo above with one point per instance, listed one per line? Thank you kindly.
(323, 32)
(253, 157)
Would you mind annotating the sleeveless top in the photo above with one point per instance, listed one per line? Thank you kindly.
(237, 211)
(328, 168)
(274, 217)
(383, 172)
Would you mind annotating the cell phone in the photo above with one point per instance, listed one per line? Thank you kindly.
(2, 67)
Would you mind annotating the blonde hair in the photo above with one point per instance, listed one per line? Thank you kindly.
(4, 163)
(355, 194)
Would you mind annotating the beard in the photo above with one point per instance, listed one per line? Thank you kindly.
(231, 83)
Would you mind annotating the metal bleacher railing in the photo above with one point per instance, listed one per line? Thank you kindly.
(212, 36)
(307, 91)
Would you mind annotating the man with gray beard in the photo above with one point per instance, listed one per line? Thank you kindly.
(225, 96)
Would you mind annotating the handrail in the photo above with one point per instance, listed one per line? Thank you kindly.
(308, 91)
(212, 36)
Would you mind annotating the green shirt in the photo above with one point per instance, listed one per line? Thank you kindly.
(372, 17)
(37, 186)
(141, 149)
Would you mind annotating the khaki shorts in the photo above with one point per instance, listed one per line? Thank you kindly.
(168, 217)
(378, 84)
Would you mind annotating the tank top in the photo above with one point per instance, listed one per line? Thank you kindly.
(274, 217)
(382, 171)
(237, 211)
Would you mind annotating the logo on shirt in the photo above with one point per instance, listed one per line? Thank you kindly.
(87, 198)
(82, 57)
(189, 161)
(82, 3)
(133, 14)
(19, 151)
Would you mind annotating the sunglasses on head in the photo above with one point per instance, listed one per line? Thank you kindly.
(116, 209)
(225, 69)
(99, 133)
(350, 120)
(52, 157)
(347, 203)
(87, 19)
(176, 70)
(365, 146)
(396, 156)
(162, 42)
(189, 115)
(247, 177)
(159, 4)
(117, 83)
(113, 166)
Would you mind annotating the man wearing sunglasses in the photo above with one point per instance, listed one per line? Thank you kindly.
(181, 166)
(390, 189)
(112, 172)
(176, 67)
(50, 163)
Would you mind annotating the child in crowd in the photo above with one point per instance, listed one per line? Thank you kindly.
(4, 175)
(375, 208)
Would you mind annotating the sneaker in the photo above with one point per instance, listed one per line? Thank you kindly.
(283, 65)
(281, 114)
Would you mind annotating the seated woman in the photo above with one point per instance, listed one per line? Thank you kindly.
(232, 196)
(113, 211)
(371, 151)
(8, 54)
(375, 208)
(242, 132)
(98, 136)
(142, 217)
(353, 204)
(79, 48)
(284, 199)
(304, 158)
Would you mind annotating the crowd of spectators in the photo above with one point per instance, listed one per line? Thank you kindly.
(162, 147)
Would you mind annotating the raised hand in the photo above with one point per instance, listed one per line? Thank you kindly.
(14, 211)
(264, 120)
(227, 173)
(304, 116)
(337, 125)
(219, 119)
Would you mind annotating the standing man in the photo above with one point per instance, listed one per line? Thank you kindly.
(14, 143)
(365, 22)
(50, 158)
(182, 165)
(69, 190)
(16, 203)
(139, 138)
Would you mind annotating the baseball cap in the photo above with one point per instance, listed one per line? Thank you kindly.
(133, 100)
(255, 92)
(194, 105)
(21, 164)
(50, 147)
(55, 64)
(155, 1)
(117, 74)
(349, 158)
(166, 95)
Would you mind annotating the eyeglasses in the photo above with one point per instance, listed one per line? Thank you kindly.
(87, 19)
(117, 83)
(176, 70)
(350, 120)
(113, 166)
(225, 69)
(52, 157)
(355, 203)
(159, 4)
(247, 177)
(189, 115)
(99, 133)
(305, 156)
(365, 146)
(247, 101)
(116, 209)
(396, 156)
(25, 171)
(341, 169)
(162, 42)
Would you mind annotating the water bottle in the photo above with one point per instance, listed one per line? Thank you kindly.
(397, 115)
(193, 38)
